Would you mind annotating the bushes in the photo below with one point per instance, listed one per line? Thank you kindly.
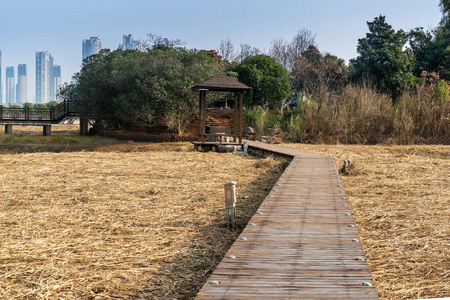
(361, 115)
(292, 123)
(256, 117)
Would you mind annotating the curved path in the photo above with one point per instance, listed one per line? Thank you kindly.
(301, 244)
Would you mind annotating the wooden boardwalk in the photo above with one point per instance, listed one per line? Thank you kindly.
(301, 244)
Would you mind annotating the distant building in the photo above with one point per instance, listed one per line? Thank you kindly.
(56, 80)
(1, 84)
(44, 77)
(128, 43)
(10, 85)
(91, 46)
(21, 93)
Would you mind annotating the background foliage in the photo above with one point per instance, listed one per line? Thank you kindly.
(268, 79)
(125, 88)
(395, 90)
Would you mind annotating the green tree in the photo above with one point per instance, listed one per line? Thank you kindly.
(445, 7)
(269, 80)
(432, 48)
(420, 42)
(124, 88)
(39, 105)
(381, 56)
(51, 104)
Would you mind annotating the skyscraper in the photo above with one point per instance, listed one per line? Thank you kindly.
(21, 95)
(10, 86)
(44, 77)
(128, 43)
(91, 46)
(56, 80)
(1, 84)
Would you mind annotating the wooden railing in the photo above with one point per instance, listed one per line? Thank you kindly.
(53, 114)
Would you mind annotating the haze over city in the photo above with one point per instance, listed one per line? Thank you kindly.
(59, 27)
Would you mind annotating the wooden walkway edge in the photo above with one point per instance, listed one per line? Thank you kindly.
(301, 244)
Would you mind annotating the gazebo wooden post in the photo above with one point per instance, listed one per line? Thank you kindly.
(203, 97)
(235, 128)
(200, 113)
(241, 114)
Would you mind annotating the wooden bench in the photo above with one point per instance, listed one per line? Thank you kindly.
(220, 131)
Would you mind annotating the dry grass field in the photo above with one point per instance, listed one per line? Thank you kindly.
(131, 222)
(400, 197)
(92, 218)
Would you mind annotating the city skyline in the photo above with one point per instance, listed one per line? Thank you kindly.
(89, 47)
(201, 24)
(47, 86)
(128, 43)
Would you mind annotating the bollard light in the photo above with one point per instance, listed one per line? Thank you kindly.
(230, 193)
(230, 203)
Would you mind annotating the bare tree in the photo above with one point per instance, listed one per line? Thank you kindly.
(279, 50)
(286, 53)
(226, 50)
(158, 40)
(246, 51)
(300, 43)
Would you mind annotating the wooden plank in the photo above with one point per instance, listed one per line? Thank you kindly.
(301, 243)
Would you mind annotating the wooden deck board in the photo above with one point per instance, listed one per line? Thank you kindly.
(301, 244)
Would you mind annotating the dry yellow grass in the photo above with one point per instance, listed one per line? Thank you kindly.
(142, 221)
(400, 197)
(108, 225)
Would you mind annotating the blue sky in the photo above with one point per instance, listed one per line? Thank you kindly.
(59, 26)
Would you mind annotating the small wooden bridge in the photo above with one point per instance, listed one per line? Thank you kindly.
(42, 116)
(301, 244)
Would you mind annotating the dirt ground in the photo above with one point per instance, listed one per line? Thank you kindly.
(400, 197)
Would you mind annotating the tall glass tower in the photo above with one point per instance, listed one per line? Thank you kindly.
(10, 85)
(1, 84)
(21, 95)
(91, 46)
(44, 77)
(56, 80)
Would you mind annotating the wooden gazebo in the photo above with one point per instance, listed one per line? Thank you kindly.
(221, 83)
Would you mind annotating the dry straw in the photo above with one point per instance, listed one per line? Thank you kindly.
(116, 225)
(138, 221)
(400, 197)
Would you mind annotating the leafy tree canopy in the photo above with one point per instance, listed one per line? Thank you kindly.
(432, 49)
(269, 80)
(123, 88)
(381, 56)
(445, 7)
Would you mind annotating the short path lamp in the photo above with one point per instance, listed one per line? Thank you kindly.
(230, 203)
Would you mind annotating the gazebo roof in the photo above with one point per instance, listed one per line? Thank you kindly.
(223, 83)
